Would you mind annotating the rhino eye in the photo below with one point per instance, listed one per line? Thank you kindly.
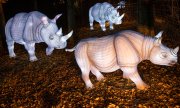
(51, 37)
(163, 55)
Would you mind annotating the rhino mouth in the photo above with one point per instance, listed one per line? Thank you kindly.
(172, 63)
(60, 47)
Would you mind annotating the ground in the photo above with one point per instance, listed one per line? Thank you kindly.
(55, 82)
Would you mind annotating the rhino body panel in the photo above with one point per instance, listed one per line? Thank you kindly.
(26, 26)
(124, 50)
(34, 27)
(102, 12)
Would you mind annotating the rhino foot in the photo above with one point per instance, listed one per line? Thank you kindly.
(111, 28)
(143, 87)
(34, 58)
(103, 29)
(89, 84)
(125, 76)
(49, 51)
(13, 55)
(100, 78)
(91, 28)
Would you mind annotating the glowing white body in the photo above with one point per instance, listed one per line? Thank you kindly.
(102, 12)
(34, 27)
(124, 50)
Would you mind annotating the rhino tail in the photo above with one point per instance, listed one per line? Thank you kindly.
(70, 50)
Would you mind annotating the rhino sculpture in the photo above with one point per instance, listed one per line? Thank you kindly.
(102, 12)
(124, 50)
(34, 27)
(121, 4)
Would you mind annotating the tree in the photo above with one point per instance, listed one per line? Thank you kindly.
(2, 25)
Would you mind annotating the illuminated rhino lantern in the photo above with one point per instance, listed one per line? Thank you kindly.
(124, 50)
(34, 27)
(102, 12)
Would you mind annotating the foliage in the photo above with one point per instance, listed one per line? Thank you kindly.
(55, 82)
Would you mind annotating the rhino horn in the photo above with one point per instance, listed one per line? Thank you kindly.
(118, 14)
(122, 16)
(117, 7)
(66, 37)
(175, 50)
(44, 19)
(56, 17)
(59, 32)
(159, 34)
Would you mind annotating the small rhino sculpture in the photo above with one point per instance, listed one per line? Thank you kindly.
(102, 12)
(34, 27)
(124, 50)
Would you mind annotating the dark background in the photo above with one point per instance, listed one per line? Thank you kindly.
(152, 15)
(55, 81)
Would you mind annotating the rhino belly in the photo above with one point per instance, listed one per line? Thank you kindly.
(103, 57)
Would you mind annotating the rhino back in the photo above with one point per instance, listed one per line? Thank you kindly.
(101, 53)
(99, 9)
(94, 11)
(33, 27)
(140, 42)
(24, 26)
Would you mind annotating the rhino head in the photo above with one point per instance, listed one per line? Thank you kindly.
(114, 17)
(161, 54)
(53, 36)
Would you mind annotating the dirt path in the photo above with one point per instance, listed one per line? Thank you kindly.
(55, 81)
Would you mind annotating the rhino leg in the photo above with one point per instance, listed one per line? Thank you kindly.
(11, 48)
(111, 26)
(30, 47)
(83, 63)
(49, 50)
(102, 24)
(91, 26)
(9, 39)
(96, 72)
(132, 73)
(91, 20)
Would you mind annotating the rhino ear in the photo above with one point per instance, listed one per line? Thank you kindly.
(44, 19)
(159, 34)
(117, 7)
(158, 41)
(59, 32)
(175, 50)
(159, 38)
(56, 17)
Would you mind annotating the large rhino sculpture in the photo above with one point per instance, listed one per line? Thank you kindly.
(102, 12)
(31, 28)
(124, 50)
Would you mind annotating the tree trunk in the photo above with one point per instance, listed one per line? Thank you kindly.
(70, 14)
(35, 5)
(2, 33)
(145, 12)
(145, 16)
(71, 19)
